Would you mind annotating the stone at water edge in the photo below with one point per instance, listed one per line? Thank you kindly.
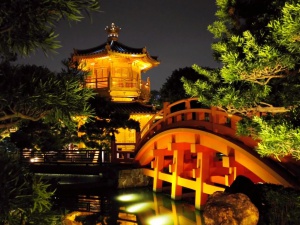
(230, 209)
(244, 185)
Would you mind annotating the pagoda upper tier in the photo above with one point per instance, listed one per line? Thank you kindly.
(115, 69)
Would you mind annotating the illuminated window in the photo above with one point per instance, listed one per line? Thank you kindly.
(123, 78)
(97, 79)
(121, 72)
(102, 77)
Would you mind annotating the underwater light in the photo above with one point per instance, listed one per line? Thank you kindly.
(160, 220)
(128, 197)
(139, 207)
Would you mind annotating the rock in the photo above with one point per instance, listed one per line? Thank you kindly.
(230, 209)
(244, 185)
(241, 183)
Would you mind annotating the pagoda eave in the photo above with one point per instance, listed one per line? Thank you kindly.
(90, 56)
(131, 55)
(114, 53)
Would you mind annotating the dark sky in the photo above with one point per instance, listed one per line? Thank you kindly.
(174, 30)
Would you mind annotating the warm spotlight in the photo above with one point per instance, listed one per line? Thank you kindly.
(160, 220)
(139, 207)
(128, 197)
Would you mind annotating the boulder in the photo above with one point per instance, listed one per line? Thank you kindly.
(230, 209)
(244, 185)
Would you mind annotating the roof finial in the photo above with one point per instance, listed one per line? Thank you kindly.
(112, 32)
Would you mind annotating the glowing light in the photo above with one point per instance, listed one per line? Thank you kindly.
(128, 197)
(34, 159)
(139, 207)
(160, 220)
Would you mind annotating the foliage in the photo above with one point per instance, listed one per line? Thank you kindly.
(155, 99)
(38, 135)
(279, 139)
(172, 90)
(281, 205)
(28, 25)
(22, 195)
(32, 93)
(100, 131)
(259, 49)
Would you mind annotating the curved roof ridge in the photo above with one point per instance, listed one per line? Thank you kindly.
(114, 46)
(97, 49)
(120, 47)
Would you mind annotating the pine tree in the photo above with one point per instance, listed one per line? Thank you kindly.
(259, 49)
(26, 26)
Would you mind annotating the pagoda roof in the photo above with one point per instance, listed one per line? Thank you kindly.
(113, 46)
(132, 107)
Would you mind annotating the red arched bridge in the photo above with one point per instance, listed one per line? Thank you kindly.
(196, 148)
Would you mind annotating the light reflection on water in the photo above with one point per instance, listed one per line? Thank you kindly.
(129, 207)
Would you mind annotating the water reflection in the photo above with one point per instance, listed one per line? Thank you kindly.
(129, 207)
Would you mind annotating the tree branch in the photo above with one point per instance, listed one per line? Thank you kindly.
(262, 77)
(254, 110)
(23, 116)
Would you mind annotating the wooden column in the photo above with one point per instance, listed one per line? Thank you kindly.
(201, 175)
(176, 168)
(158, 164)
(166, 110)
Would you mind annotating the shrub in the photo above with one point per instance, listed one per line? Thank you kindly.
(280, 205)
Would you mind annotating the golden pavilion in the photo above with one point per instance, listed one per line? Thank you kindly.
(115, 72)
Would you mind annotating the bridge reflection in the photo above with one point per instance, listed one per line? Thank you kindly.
(134, 207)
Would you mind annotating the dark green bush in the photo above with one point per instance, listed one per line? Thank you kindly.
(280, 205)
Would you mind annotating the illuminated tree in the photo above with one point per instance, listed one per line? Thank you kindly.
(32, 92)
(259, 48)
(35, 93)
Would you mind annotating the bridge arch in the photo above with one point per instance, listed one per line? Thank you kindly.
(259, 169)
(198, 149)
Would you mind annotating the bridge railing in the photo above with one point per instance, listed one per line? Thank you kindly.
(87, 157)
(211, 119)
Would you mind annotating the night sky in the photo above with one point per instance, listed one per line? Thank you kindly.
(175, 31)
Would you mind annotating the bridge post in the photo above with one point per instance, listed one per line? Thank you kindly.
(176, 168)
(159, 164)
(214, 118)
(166, 109)
(187, 104)
(202, 175)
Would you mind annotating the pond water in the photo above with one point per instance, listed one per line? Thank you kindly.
(137, 206)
